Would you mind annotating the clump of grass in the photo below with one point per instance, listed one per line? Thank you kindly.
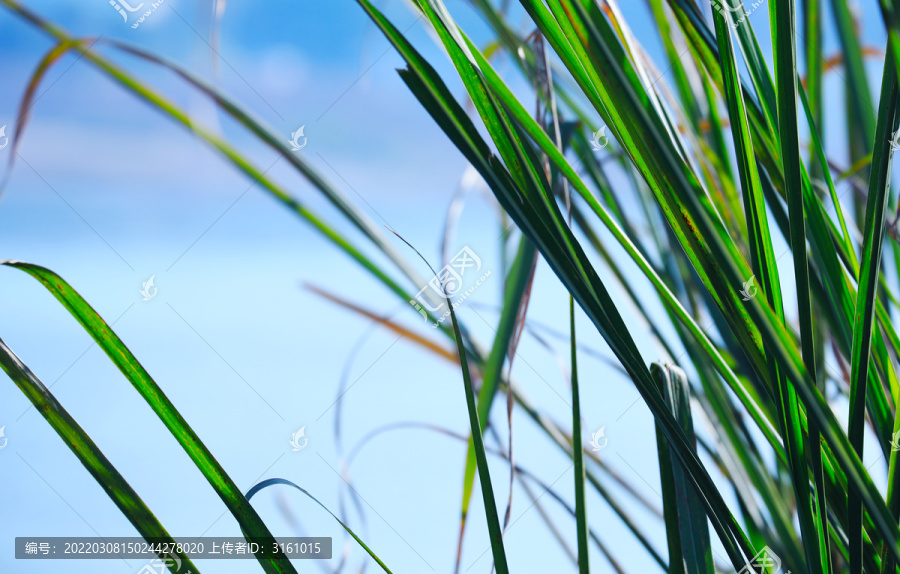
(756, 376)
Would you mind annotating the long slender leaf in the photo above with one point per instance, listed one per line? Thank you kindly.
(879, 183)
(689, 544)
(487, 489)
(275, 481)
(93, 459)
(250, 522)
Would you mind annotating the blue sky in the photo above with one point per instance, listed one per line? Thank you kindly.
(108, 192)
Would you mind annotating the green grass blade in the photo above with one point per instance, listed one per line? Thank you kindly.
(889, 562)
(765, 266)
(784, 47)
(582, 529)
(879, 184)
(274, 481)
(761, 112)
(578, 452)
(487, 489)
(748, 471)
(553, 432)
(890, 13)
(812, 32)
(682, 507)
(251, 524)
(545, 424)
(279, 144)
(860, 95)
(28, 99)
(516, 285)
(93, 459)
(762, 255)
(682, 81)
(822, 168)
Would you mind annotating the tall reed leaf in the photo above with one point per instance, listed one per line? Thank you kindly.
(93, 459)
(873, 235)
(250, 522)
(686, 527)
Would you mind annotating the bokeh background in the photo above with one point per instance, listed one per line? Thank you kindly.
(108, 192)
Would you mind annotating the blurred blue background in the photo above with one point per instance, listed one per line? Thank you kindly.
(108, 192)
